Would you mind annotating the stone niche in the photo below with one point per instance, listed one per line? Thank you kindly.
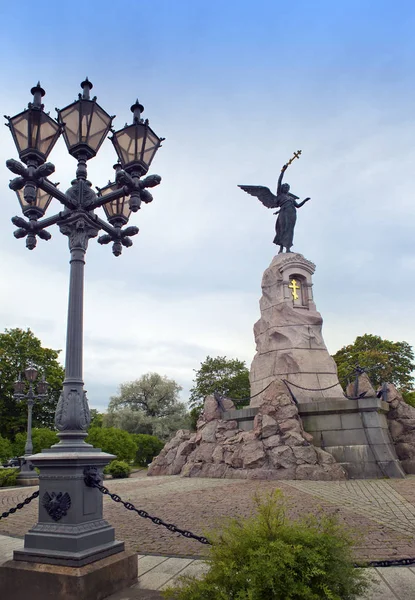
(288, 336)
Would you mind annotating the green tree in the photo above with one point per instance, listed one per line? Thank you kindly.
(148, 446)
(384, 360)
(41, 438)
(114, 441)
(18, 348)
(228, 376)
(148, 405)
(97, 418)
(6, 449)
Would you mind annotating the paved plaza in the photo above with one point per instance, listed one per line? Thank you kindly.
(381, 512)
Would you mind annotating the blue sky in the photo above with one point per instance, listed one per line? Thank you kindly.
(235, 88)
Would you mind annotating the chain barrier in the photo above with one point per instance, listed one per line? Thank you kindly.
(92, 479)
(20, 505)
(287, 383)
(310, 389)
(398, 562)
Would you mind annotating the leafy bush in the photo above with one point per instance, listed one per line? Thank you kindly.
(148, 446)
(112, 440)
(118, 469)
(6, 449)
(41, 438)
(265, 557)
(8, 477)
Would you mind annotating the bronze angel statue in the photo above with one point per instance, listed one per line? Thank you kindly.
(287, 204)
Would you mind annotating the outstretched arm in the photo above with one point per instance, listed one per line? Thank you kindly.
(280, 179)
(300, 204)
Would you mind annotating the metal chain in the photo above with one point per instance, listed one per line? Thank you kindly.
(286, 382)
(145, 515)
(20, 505)
(309, 389)
(398, 562)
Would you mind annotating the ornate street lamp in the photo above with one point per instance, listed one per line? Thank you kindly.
(74, 533)
(27, 473)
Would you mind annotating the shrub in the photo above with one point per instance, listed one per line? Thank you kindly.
(265, 557)
(8, 477)
(148, 446)
(118, 469)
(112, 440)
(6, 450)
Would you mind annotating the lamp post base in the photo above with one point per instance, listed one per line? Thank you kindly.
(71, 530)
(27, 475)
(49, 582)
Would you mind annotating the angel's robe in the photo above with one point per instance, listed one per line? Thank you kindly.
(284, 227)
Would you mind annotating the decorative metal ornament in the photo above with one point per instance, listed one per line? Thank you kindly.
(294, 287)
(56, 505)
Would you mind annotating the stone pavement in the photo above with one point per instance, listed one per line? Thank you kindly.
(382, 512)
(155, 573)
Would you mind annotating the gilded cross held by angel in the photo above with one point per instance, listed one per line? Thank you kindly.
(285, 201)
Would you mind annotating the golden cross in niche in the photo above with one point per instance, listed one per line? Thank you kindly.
(294, 287)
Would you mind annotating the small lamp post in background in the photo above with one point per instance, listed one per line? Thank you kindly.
(71, 530)
(28, 475)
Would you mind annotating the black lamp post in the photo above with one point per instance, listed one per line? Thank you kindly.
(80, 535)
(27, 473)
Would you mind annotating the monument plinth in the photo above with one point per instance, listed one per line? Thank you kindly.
(288, 336)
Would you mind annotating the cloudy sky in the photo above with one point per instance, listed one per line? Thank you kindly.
(235, 87)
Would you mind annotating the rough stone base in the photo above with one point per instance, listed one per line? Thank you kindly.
(98, 580)
(277, 447)
(401, 421)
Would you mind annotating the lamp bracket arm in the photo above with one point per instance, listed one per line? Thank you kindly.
(47, 186)
(112, 231)
(108, 197)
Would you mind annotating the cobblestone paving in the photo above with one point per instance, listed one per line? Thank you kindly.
(381, 511)
(376, 499)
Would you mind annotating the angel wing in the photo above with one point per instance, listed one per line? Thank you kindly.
(263, 194)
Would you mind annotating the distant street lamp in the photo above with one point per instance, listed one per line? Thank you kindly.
(27, 471)
(75, 533)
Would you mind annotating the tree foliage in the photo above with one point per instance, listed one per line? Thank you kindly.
(97, 418)
(149, 405)
(6, 450)
(41, 438)
(114, 441)
(384, 360)
(227, 376)
(19, 348)
(148, 446)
